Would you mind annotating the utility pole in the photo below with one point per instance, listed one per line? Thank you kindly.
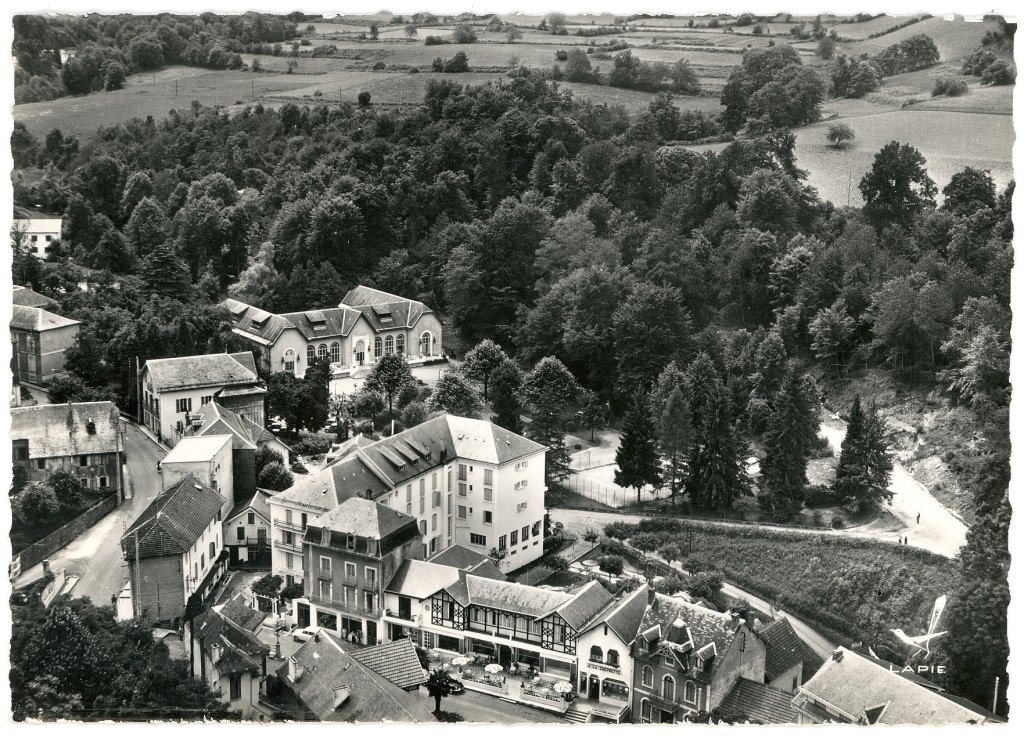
(995, 696)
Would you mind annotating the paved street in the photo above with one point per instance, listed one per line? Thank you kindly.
(483, 708)
(95, 556)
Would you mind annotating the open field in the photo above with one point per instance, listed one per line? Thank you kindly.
(987, 144)
(860, 31)
(954, 40)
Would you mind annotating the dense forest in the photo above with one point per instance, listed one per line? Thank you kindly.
(107, 48)
(715, 291)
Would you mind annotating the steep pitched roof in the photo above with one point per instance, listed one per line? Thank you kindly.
(240, 649)
(255, 323)
(203, 370)
(28, 298)
(326, 489)
(173, 521)
(857, 689)
(36, 319)
(382, 310)
(587, 601)
(368, 696)
(218, 420)
(241, 614)
(63, 429)
(367, 519)
(759, 703)
(430, 444)
(330, 323)
(624, 615)
(396, 661)
(783, 647)
(258, 503)
(704, 626)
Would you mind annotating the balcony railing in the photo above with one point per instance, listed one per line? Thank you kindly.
(289, 547)
(406, 617)
(325, 574)
(286, 525)
(347, 608)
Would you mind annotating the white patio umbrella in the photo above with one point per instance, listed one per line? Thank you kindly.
(494, 668)
(460, 661)
(562, 687)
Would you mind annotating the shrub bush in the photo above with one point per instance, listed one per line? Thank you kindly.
(838, 522)
(977, 62)
(312, 446)
(998, 73)
(562, 55)
(611, 564)
(949, 86)
(818, 495)
(434, 41)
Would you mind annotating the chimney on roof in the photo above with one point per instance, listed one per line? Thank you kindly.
(90, 427)
(341, 694)
(295, 671)
(444, 455)
(837, 655)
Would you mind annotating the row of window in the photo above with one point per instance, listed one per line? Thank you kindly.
(513, 538)
(351, 571)
(393, 344)
(349, 596)
(184, 404)
(668, 685)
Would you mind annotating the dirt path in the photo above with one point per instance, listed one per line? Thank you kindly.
(939, 530)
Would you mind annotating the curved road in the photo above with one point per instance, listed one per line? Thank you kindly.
(95, 556)
(939, 530)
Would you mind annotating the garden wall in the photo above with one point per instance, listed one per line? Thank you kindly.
(58, 539)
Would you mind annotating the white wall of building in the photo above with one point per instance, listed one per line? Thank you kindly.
(197, 561)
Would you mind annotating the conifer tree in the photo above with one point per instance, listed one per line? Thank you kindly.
(675, 433)
(862, 477)
(715, 477)
(788, 440)
(164, 273)
(637, 455)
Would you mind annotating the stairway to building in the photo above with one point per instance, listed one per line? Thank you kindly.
(575, 715)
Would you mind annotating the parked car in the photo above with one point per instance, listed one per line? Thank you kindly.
(304, 634)
(456, 687)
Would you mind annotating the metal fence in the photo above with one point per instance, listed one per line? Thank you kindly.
(610, 495)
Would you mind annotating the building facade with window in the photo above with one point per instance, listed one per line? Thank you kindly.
(466, 482)
(208, 459)
(173, 391)
(350, 554)
(366, 325)
(687, 658)
(174, 554)
(82, 438)
(247, 530)
(40, 340)
(232, 661)
(38, 234)
(605, 675)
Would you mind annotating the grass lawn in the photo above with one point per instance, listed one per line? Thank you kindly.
(987, 144)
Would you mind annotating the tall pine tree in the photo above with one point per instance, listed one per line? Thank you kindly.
(789, 438)
(637, 455)
(716, 477)
(164, 273)
(862, 477)
(675, 433)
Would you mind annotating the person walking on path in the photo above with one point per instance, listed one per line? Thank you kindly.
(919, 518)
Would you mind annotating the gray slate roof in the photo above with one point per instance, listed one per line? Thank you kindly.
(204, 370)
(703, 625)
(29, 298)
(371, 697)
(173, 521)
(784, 649)
(367, 519)
(855, 685)
(37, 319)
(241, 651)
(375, 304)
(396, 661)
(62, 430)
(759, 703)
